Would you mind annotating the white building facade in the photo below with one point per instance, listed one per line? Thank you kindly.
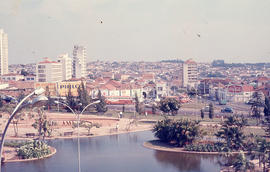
(79, 62)
(3, 52)
(190, 73)
(66, 62)
(49, 71)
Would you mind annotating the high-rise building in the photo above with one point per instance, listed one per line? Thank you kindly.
(66, 62)
(190, 73)
(49, 71)
(79, 62)
(3, 52)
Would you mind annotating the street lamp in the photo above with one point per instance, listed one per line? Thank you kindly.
(78, 126)
(17, 109)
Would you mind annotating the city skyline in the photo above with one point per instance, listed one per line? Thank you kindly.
(137, 30)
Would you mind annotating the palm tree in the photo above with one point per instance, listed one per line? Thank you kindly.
(241, 163)
(232, 132)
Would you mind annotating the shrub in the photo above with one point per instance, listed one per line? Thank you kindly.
(181, 131)
(209, 147)
(34, 149)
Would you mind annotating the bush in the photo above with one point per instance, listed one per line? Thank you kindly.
(209, 147)
(34, 149)
(181, 131)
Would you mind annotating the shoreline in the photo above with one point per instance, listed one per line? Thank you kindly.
(148, 128)
(157, 145)
(53, 152)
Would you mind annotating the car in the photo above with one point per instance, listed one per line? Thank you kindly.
(227, 110)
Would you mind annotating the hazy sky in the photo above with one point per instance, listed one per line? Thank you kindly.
(133, 30)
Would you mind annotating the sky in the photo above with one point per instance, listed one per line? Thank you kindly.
(138, 30)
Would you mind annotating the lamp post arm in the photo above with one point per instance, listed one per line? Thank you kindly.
(67, 107)
(88, 106)
(9, 121)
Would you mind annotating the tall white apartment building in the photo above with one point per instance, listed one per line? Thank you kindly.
(66, 62)
(49, 71)
(190, 73)
(3, 52)
(79, 62)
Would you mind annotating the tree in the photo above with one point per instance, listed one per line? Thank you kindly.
(170, 105)
(266, 109)
(256, 106)
(83, 96)
(48, 95)
(137, 108)
(232, 132)
(71, 102)
(267, 116)
(191, 92)
(102, 105)
(180, 132)
(123, 108)
(42, 124)
(88, 125)
(211, 110)
(241, 163)
(154, 109)
(262, 152)
(202, 114)
(24, 72)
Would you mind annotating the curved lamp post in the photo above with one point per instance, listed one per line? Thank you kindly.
(17, 109)
(78, 126)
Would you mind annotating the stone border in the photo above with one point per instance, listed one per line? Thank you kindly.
(53, 151)
(157, 145)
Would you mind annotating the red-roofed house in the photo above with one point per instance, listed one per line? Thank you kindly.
(237, 93)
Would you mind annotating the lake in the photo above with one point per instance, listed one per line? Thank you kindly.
(115, 153)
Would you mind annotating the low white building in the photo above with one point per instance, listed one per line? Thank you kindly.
(236, 93)
(12, 77)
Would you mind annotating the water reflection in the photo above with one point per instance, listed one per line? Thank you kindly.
(183, 161)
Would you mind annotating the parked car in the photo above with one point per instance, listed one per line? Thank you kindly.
(227, 110)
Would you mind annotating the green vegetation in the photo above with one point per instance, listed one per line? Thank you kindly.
(256, 105)
(169, 105)
(83, 98)
(178, 132)
(42, 124)
(202, 114)
(208, 147)
(232, 133)
(211, 111)
(101, 106)
(33, 149)
(71, 102)
(86, 124)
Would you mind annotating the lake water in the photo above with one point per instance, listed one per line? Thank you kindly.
(115, 153)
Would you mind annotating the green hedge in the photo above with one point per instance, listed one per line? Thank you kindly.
(210, 147)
